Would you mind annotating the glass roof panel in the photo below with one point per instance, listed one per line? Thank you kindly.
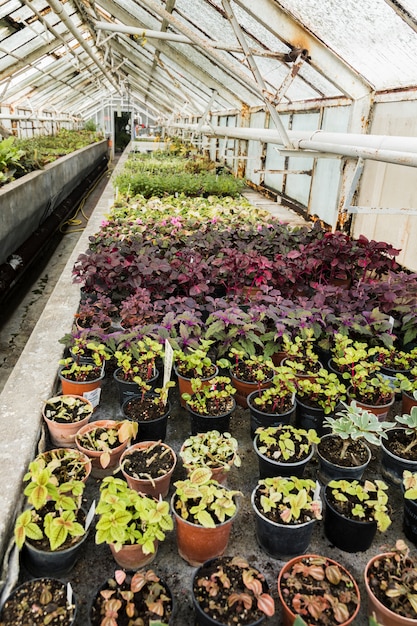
(368, 35)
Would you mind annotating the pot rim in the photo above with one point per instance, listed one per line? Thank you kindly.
(284, 463)
(145, 444)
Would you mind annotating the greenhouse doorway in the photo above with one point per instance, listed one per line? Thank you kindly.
(122, 130)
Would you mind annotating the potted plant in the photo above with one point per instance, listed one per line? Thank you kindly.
(399, 449)
(103, 442)
(136, 362)
(131, 523)
(284, 450)
(194, 363)
(344, 451)
(95, 313)
(313, 586)
(212, 449)
(276, 404)
(390, 582)
(354, 511)
(409, 488)
(249, 372)
(38, 602)
(147, 466)
(140, 597)
(210, 407)
(149, 410)
(285, 511)
(64, 415)
(204, 511)
(52, 531)
(316, 398)
(300, 354)
(228, 590)
(370, 389)
(66, 464)
(408, 387)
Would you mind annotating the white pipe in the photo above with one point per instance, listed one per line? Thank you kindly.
(386, 148)
(57, 7)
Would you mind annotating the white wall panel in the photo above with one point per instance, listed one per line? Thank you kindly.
(255, 148)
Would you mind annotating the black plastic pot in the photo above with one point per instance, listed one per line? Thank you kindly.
(410, 519)
(204, 423)
(149, 430)
(269, 468)
(22, 593)
(309, 417)
(347, 534)
(128, 389)
(52, 564)
(393, 466)
(330, 471)
(279, 540)
(260, 419)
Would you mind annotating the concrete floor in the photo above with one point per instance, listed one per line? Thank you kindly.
(39, 359)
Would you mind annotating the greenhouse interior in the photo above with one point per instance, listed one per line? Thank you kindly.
(208, 312)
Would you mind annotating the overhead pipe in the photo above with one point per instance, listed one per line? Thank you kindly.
(58, 8)
(385, 148)
(146, 33)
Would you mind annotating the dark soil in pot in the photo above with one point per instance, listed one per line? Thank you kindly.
(224, 613)
(143, 410)
(48, 595)
(398, 441)
(330, 448)
(155, 461)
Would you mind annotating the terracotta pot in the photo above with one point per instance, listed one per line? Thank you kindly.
(408, 401)
(288, 617)
(244, 388)
(156, 487)
(132, 556)
(217, 473)
(62, 434)
(90, 389)
(382, 613)
(96, 468)
(60, 453)
(197, 544)
(184, 384)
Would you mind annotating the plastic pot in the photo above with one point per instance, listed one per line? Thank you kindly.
(204, 423)
(132, 556)
(330, 471)
(96, 468)
(90, 389)
(62, 434)
(19, 604)
(156, 487)
(148, 430)
(259, 419)
(347, 534)
(392, 465)
(408, 401)
(288, 616)
(127, 389)
(244, 388)
(309, 417)
(381, 411)
(279, 540)
(184, 383)
(410, 518)
(196, 544)
(269, 467)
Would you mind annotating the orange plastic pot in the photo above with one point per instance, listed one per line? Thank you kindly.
(197, 544)
(132, 557)
(97, 469)
(288, 617)
(155, 487)
(408, 401)
(217, 473)
(62, 434)
(244, 388)
(380, 411)
(184, 384)
(382, 613)
(90, 389)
